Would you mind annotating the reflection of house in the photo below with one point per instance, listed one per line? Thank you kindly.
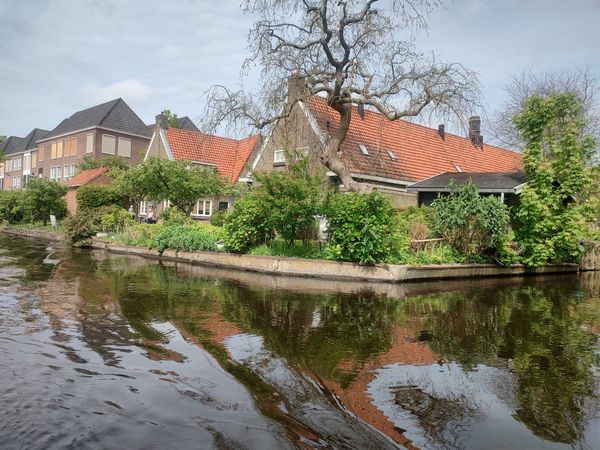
(84, 178)
(390, 155)
(21, 159)
(227, 156)
(505, 185)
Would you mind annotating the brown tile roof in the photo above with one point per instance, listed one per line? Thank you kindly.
(421, 152)
(229, 155)
(86, 176)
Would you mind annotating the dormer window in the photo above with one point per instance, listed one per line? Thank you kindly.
(392, 155)
(363, 149)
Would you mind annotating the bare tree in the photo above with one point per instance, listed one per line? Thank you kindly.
(353, 52)
(580, 81)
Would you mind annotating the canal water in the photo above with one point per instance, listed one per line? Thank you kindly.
(101, 351)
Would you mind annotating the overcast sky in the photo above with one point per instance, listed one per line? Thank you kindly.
(59, 56)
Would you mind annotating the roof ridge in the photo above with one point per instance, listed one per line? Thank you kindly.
(110, 110)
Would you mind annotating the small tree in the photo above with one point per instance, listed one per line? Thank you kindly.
(472, 224)
(557, 158)
(112, 162)
(42, 198)
(172, 119)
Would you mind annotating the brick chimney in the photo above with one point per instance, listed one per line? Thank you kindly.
(161, 122)
(442, 131)
(475, 130)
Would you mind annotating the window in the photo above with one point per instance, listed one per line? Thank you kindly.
(363, 149)
(41, 153)
(73, 146)
(278, 157)
(16, 182)
(17, 163)
(56, 173)
(53, 151)
(203, 208)
(124, 147)
(302, 152)
(66, 172)
(34, 160)
(89, 143)
(108, 144)
(223, 206)
(9, 163)
(73, 169)
(457, 167)
(59, 149)
(68, 147)
(392, 155)
(27, 162)
(143, 208)
(166, 204)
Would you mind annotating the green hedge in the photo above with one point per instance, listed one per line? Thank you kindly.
(95, 196)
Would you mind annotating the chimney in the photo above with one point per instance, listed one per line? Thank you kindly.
(442, 131)
(161, 122)
(296, 88)
(475, 130)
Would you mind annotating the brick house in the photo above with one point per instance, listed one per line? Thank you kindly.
(20, 159)
(389, 155)
(228, 156)
(109, 129)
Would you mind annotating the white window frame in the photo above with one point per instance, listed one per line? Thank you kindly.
(392, 155)
(279, 157)
(143, 210)
(9, 165)
(196, 210)
(89, 143)
(16, 183)
(26, 163)
(66, 171)
(17, 163)
(124, 140)
(107, 137)
(364, 150)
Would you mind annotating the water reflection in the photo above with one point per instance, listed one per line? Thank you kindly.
(501, 365)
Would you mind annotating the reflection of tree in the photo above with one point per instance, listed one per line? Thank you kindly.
(553, 357)
(540, 330)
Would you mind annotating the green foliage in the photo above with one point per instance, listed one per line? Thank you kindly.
(173, 216)
(79, 229)
(298, 249)
(361, 227)
(41, 198)
(218, 218)
(134, 184)
(188, 238)
(557, 157)
(177, 181)
(247, 225)
(471, 224)
(95, 196)
(116, 220)
(441, 254)
(140, 235)
(11, 206)
(291, 199)
(171, 118)
(112, 162)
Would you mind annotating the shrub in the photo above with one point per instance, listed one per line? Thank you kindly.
(361, 227)
(116, 220)
(280, 248)
(95, 196)
(186, 238)
(470, 223)
(247, 225)
(80, 228)
(173, 216)
(11, 206)
(41, 198)
(218, 218)
(140, 235)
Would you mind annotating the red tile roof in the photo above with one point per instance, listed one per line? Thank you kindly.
(421, 152)
(229, 155)
(86, 176)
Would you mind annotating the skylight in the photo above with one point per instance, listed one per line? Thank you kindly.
(363, 149)
(458, 168)
(392, 155)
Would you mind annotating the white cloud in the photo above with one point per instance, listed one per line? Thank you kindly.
(130, 90)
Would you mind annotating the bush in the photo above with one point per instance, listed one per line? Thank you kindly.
(140, 235)
(361, 227)
(280, 248)
(187, 238)
(83, 226)
(41, 198)
(471, 224)
(11, 206)
(116, 220)
(95, 196)
(218, 218)
(173, 216)
(247, 225)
